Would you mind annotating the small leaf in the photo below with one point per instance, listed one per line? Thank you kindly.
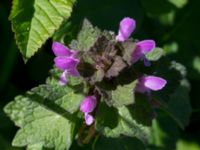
(123, 95)
(155, 55)
(35, 21)
(87, 36)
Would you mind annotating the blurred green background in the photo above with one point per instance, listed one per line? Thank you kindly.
(174, 24)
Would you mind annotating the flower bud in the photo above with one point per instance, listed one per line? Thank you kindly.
(127, 26)
(88, 104)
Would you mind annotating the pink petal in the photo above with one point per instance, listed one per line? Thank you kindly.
(154, 83)
(66, 63)
(88, 119)
(88, 104)
(60, 50)
(146, 46)
(63, 78)
(74, 72)
(147, 83)
(127, 26)
(142, 48)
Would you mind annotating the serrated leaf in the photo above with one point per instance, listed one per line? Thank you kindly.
(45, 115)
(87, 36)
(124, 94)
(126, 126)
(36, 20)
(155, 55)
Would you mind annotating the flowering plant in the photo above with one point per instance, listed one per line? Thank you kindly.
(103, 86)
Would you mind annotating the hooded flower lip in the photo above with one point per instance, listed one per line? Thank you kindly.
(61, 50)
(66, 61)
(142, 48)
(127, 26)
(147, 83)
(87, 106)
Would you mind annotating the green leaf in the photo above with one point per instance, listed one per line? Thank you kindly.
(87, 36)
(36, 20)
(127, 125)
(124, 94)
(155, 55)
(45, 115)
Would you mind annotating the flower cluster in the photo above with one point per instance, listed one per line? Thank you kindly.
(67, 61)
(145, 83)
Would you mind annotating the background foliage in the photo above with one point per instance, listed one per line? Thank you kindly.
(173, 24)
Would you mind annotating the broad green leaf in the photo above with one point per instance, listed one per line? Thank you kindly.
(36, 20)
(126, 126)
(155, 55)
(45, 115)
(87, 36)
(124, 94)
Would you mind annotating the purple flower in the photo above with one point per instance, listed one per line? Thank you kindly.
(66, 61)
(87, 106)
(142, 48)
(148, 83)
(127, 26)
